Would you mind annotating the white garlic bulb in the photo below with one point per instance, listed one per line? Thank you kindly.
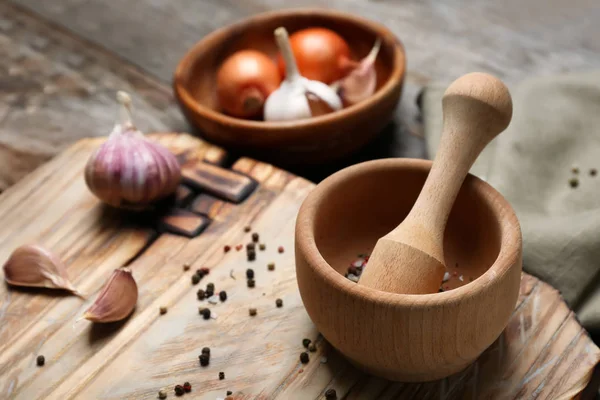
(292, 100)
(129, 170)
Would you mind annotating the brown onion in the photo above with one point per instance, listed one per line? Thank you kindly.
(244, 81)
(321, 55)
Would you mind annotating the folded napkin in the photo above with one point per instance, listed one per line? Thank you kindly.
(555, 129)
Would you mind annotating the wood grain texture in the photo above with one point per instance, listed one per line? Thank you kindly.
(406, 337)
(259, 355)
(410, 258)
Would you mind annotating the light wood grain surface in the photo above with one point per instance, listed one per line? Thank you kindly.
(512, 39)
(135, 358)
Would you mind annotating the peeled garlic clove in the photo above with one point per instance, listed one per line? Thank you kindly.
(361, 82)
(34, 266)
(323, 92)
(116, 300)
(129, 170)
(290, 101)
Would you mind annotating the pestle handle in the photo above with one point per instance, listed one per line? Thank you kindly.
(476, 108)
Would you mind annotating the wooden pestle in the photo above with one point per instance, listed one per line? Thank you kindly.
(410, 259)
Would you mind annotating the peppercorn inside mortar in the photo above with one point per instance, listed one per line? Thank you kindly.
(362, 207)
(454, 277)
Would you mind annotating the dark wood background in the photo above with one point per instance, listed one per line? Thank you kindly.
(444, 39)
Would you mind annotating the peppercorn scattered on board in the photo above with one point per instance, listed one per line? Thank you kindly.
(543, 351)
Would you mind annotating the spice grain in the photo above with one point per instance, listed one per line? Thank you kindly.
(304, 357)
(204, 359)
(179, 390)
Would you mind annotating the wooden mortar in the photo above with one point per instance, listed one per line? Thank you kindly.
(406, 337)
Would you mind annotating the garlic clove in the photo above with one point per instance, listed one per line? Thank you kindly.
(317, 106)
(129, 170)
(290, 101)
(34, 266)
(116, 300)
(323, 92)
(361, 82)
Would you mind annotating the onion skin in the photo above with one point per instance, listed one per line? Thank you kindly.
(244, 81)
(321, 54)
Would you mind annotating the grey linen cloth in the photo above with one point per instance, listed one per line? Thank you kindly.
(555, 127)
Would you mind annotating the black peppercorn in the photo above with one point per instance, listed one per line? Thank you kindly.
(306, 342)
(574, 182)
(206, 350)
(179, 390)
(204, 359)
(251, 255)
(593, 172)
(209, 294)
(40, 360)
(223, 295)
(312, 348)
(250, 246)
(162, 310)
(195, 279)
(205, 313)
(200, 273)
(252, 312)
(255, 237)
(330, 394)
(210, 287)
(249, 273)
(187, 387)
(247, 228)
(304, 357)
(229, 393)
(221, 375)
(279, 303)
(251, 283)
(201, 294)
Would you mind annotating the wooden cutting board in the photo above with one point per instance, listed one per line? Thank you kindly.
(544, 352)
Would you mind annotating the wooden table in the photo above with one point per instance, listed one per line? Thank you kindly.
(60, 64)
(543, 353)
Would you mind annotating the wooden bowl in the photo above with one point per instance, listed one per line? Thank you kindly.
(309, 141)
(406, 337)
